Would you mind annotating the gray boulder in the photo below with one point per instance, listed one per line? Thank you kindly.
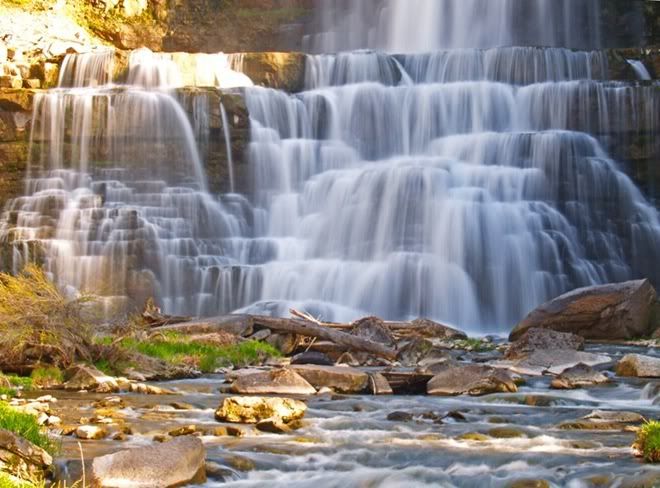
(609, 312)
(174, 463)
(473, 380)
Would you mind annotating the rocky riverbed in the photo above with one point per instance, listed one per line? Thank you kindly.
(555, 437)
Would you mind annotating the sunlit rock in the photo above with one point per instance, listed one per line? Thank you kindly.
(251, 410)
(609, 312)
(639, 366)
(174, 463)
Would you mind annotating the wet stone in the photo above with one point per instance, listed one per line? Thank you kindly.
(400, 417)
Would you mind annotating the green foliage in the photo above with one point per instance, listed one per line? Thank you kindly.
(8, 481)
(176, 349)
(472, 344)
(648, 441)
(47, 376)
(10, 392)
(25, 425)
(22, 382)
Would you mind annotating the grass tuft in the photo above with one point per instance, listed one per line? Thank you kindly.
(648, 441)
(25, 425)
(176, 349)
(47, 376)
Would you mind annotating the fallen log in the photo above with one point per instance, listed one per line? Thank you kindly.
(310, 329)
(240, 325)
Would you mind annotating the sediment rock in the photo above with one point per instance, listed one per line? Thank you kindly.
(174, 463)
(578, 376)
(474, 380)
(604, 420)
(609, 312)
(543, 339)
(18, 452)
(639, 366)
(373, 329)
(84, 377)
(282, 71)
(275, 382)
(339, 378)
(252, 410)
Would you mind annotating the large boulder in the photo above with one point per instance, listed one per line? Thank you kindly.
(339, 378)
(252, 410)
(84, 377)
(543, 339)
(474, 380)
(21, 454)
(174, 463)
(275, 382)
(609, 312)
(638, 366)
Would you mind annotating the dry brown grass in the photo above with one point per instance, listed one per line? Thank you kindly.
(39, 325)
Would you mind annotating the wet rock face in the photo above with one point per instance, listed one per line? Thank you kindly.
(174, 463)
(577, 377)
(610, 312)
(543, 339)
(252, 410)
(473, 380)
(639, 366)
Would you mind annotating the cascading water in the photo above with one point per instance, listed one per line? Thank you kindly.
(424, 25)
(117, 196)
(468, 184)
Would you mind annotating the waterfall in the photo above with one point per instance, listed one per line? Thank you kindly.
(423, 25)
(454, 167)
(640, 70)
(116, 194)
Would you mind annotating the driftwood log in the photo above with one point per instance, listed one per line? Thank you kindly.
(310, 329)
(245, 325)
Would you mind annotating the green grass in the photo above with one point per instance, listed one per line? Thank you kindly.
(25, 425)
(46, 376)
(7, 481)
(476, 345)
(176, 349)
(22, 382)
(10, 392)
(648, 441)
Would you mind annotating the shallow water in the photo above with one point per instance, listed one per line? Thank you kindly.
(347, 441)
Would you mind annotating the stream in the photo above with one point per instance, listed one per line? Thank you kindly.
(347, 441)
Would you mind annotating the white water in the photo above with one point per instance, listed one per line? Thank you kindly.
(464, 185)
(640, 70)
(428, 25)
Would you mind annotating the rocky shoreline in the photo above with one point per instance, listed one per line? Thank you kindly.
(109, 414)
